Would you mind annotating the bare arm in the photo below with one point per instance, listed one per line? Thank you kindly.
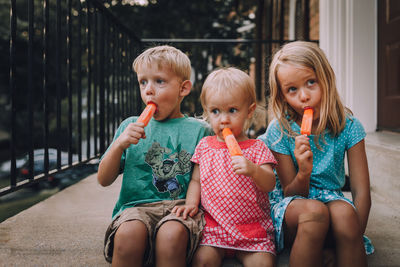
(191, 206)
(110, 164)
(263, 175)
(359, 182)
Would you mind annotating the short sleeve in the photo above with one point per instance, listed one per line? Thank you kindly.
(274, 139)
(118, 132)
(354, 131)
(263, 155)
(198, 151)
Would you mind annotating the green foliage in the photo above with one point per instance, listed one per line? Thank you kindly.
(186, 19)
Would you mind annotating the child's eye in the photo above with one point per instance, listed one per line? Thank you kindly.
(160, 81)
(215, 111)
(292, 89)
(233, 110)
(311, 82)
(142, 82)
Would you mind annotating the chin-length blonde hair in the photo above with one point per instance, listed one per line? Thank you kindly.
(332, 112)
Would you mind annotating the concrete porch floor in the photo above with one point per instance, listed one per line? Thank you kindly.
(68, 228)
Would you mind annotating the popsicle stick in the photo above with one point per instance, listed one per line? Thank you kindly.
(231, 143)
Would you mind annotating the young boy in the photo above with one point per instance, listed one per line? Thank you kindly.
(156, 167)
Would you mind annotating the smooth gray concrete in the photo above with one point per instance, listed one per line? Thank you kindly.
(68, 228)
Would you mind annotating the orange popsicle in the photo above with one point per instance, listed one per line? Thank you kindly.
(231, 143)
(306, 123)
(147, 113)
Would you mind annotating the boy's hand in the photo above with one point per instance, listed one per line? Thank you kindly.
(303, 155)
(185, 210)
(243, 166)
(131, 135)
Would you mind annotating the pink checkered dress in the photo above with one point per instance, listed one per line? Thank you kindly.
(237, 213)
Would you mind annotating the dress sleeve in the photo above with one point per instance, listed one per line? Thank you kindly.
(263, 155)
(355, 132)
(275, 139)
(198, 151)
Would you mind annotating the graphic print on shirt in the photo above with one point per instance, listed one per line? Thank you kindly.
(166, 164)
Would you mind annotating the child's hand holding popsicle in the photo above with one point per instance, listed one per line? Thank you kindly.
(302, 151)
(240, 164)
(135, 131)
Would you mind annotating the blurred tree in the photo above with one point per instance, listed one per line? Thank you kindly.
(186, 19)
(207, 19)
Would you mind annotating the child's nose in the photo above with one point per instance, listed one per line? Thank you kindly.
(225, 118)
(149, 90)
(304, 95)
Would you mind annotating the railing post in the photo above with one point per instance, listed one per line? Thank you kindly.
(30, 85)
(102, 91)
(13, 38)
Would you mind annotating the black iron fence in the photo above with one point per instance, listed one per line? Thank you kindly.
(69, 90)
(70, 83)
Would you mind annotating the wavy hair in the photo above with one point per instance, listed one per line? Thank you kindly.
(308, 55)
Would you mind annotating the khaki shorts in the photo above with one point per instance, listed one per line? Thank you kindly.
(153, 215)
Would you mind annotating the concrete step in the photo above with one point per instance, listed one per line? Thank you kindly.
(383, 153)
(68, 228)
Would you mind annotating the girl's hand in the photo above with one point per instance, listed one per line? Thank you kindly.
(185, 210)
(243, 166)
(131, 135)
(262, 175)
(303, 155)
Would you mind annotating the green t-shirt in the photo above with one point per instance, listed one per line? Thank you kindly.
(158, 167)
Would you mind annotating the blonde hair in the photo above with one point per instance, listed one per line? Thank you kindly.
(165, 56)
(229, 81)
(307, 54)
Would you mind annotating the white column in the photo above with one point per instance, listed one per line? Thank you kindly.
(348, 34)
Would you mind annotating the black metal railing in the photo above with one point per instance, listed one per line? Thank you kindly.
(74, 83)
(71, 88)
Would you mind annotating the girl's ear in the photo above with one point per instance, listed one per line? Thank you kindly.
(252, 108)
(186, 86)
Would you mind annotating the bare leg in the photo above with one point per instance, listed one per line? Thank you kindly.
(130, 242)
(346, 231)
(171, 244)
(208, 256)
(256, 259)
(307, 224)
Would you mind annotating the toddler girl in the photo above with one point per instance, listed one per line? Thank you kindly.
(308, 204)
(234, 190)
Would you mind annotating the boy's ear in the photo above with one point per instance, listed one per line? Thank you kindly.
(186, 86)
(252, 108)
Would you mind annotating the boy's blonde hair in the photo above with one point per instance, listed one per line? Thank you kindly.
(165, 56)
(229, 81)
(307, 54)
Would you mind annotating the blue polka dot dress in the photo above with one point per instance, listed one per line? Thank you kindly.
(328, 174)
